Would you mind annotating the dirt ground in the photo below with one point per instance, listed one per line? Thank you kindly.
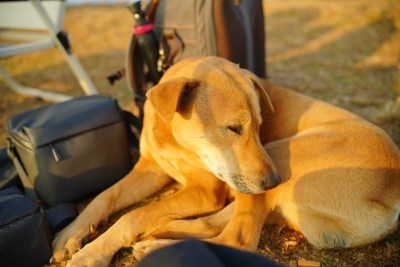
(343, 52)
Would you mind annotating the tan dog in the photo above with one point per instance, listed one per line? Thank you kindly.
(203, 128)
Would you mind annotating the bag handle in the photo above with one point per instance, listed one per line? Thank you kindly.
(27, 183)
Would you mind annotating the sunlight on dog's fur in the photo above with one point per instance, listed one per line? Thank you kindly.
(286, 158)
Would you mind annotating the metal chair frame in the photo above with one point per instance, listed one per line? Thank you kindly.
(20, 20)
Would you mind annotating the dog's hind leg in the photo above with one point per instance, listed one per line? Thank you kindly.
(340, 183)
(238, 225)
(217, 227)
(145, 179)
(202, 227)
(244, 227)
(329, 231)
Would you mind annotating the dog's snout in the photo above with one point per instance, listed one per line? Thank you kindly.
(271, 181)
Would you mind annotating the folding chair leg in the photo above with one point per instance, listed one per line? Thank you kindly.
(74, 64)
(81, 75)
(17, 87)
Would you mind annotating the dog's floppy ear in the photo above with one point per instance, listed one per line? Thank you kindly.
(165, 97)
(265, 101)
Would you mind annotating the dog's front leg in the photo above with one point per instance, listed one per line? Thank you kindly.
(244, 228)
(192, 200)
(145, 179)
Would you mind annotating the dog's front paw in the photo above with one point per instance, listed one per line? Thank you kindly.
(89, 256)
(69, 241)
(142, 248)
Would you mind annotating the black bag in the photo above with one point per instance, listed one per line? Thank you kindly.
(67, 151)
(24, 234)
(197, 253)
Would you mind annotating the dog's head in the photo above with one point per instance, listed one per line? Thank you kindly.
(214, 109)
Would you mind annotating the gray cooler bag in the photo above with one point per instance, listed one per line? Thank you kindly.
(66, 151)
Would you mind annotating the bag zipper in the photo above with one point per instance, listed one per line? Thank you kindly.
(56, 154)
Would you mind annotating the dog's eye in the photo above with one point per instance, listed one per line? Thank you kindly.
(235, 128)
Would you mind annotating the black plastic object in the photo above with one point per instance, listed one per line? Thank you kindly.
(197, 253)
(143, 31)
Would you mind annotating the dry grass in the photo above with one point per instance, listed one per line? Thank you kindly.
(344, 52)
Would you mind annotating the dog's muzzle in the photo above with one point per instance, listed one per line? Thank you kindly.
(272, 180)
(238, 182)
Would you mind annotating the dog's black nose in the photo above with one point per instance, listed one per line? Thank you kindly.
(272, 180)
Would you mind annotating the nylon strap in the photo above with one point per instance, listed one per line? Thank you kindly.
(27, 183)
